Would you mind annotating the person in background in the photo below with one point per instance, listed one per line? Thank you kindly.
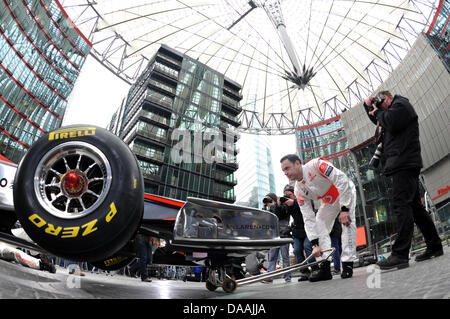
(145, 255)
(9, 252)
(336, 243)
(302, 245)
(272, 203)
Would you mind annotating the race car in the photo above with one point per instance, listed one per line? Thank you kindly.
(79, 194)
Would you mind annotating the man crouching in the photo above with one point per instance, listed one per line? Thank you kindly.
(320, 180)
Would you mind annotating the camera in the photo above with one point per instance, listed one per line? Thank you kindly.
(377, 100)
(283, 199)
(375, 160)
(267, 200)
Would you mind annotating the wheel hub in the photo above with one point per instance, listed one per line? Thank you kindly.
(73, 183)
(72, 179)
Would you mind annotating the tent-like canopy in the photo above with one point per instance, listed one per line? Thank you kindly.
(298, 61)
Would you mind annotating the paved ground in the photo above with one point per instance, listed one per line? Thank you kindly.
(425, 280)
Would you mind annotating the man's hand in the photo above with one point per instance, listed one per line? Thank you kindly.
(289, 202)
(373, 110)
(368, 102)
(317, 251)
(278, 201)
(344, 218)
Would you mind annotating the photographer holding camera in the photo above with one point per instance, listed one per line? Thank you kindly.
(401, 160)
(272, 202)
(302, 245)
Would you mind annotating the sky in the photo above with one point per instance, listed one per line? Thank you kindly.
(98, 93)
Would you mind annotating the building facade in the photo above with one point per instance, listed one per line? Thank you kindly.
(255, 174)
(179, 119)
(41, 55)
(438, 33)
(323, 139)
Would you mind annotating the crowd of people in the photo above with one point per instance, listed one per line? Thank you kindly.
(332, 224)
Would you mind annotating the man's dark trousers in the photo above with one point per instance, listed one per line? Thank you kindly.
(409, 210)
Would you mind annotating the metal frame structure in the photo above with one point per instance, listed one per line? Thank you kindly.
(113, 51)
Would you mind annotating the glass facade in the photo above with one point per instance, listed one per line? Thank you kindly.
(376, 193)
(173, 118)
(324, 139)
(41, 55)
(328, 140)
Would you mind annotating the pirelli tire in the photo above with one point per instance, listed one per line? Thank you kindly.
(78, 193)
(119, 260)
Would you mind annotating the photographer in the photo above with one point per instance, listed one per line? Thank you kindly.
(401, 160)
(272, 202)
(302, 245)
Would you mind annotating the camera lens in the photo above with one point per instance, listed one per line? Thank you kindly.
(375, 160)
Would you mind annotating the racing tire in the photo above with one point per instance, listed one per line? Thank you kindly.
(112, 263)
(119, 260)
(78, 193)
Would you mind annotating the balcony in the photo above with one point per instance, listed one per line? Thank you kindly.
(222, 197)
(231, 105)
(237, 95)
(152, 177)
(230, 119)
(149, 155)
(165, 70)
(163, 58)
(226, 179)
(230, 164)
(148, 135)
(155, 118)
(159, 99)
(164, 88)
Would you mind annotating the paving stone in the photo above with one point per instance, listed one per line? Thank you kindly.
(425, 280)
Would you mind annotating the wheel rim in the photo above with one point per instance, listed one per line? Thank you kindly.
(72, 180)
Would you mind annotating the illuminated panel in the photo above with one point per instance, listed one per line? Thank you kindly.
(361, 236)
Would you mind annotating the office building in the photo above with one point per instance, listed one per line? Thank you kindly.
(255, 175)
(41, 55)
(179, 118)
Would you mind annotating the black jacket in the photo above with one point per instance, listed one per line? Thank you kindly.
(283, 219)
(298, 228)
(400, 136)
(336, 231)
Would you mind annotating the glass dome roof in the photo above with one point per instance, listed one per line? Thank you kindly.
(298, 61)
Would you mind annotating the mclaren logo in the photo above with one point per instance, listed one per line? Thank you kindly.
(71, 133)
